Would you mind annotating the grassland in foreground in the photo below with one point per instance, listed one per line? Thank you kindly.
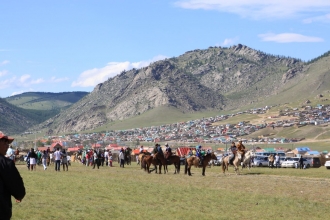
(130, 193)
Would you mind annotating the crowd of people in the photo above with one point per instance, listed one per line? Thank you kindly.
(95, 158)
(46, 158)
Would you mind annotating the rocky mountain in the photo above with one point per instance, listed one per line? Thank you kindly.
(200, 80)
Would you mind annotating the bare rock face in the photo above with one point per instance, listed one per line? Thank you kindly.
(291, 73)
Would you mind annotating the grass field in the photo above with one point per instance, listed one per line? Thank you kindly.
(130, 193)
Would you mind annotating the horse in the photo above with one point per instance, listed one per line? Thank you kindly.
(173, 159)
(236, 162)
(247, 159)
(141, 155)
(147, 160)
(271, 161)
(193, 160)
(127, 156)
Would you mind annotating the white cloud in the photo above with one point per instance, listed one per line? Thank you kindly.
(229, 41)
(288, 38)
(7, 82)
(4, 62)
(3, 72)
(258, 9)
(24, 78)
(54, 79)
(25, 81)
(92, 77)
(22, 91)
(323, 18)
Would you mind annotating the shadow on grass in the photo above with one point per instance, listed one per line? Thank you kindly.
(251, 173)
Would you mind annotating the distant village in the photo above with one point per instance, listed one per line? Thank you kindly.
(195, 132)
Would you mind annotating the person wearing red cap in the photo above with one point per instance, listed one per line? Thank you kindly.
(11, 182)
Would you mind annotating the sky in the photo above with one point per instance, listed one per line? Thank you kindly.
(73, 45)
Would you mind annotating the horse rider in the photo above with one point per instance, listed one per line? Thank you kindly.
(168, 151)
(233, 149)
(241, 149)
(190, 153)
(155, 149)
(199, 154)
(159, 152)
(141, 150)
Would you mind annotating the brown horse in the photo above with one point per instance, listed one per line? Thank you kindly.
(236, 163)
(147, 160)
(141, 155)
(193, 160)
(173, 159)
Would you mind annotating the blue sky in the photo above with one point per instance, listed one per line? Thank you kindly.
(64, 45)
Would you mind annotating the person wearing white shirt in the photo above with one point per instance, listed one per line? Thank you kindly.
(10, 153)
(122, 158)
(57, 157)
(106, 155)
(277, 161)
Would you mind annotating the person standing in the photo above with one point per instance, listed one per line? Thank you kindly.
(64, 160)
(57, 157)
(10, 153)
(51, 157)
(87, 159)
(122, 158)
(301, 162)
(33, 160)
(101, 158)
(277, 161)
(11, 182)
(96, 160)
(39, 156)
(44, 159)
(106, 157)
(110, 159)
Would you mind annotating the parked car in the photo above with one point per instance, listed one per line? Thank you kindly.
(218, 161)
(315, 162)
(282, 159)
(293, 162)
(327, 164)
(260, 161)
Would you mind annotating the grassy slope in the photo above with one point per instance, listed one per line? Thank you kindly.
(130, 193)
(158, 116)
(45, 101)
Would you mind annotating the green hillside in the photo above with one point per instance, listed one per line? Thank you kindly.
(45, 100)
(23, 111)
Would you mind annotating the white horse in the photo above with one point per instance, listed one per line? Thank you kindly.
(247, 159)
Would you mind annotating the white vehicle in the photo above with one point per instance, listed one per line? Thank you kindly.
(327, 164)
(260, 161)
(293, 163)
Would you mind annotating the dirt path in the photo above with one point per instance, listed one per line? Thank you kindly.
(320, 135)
